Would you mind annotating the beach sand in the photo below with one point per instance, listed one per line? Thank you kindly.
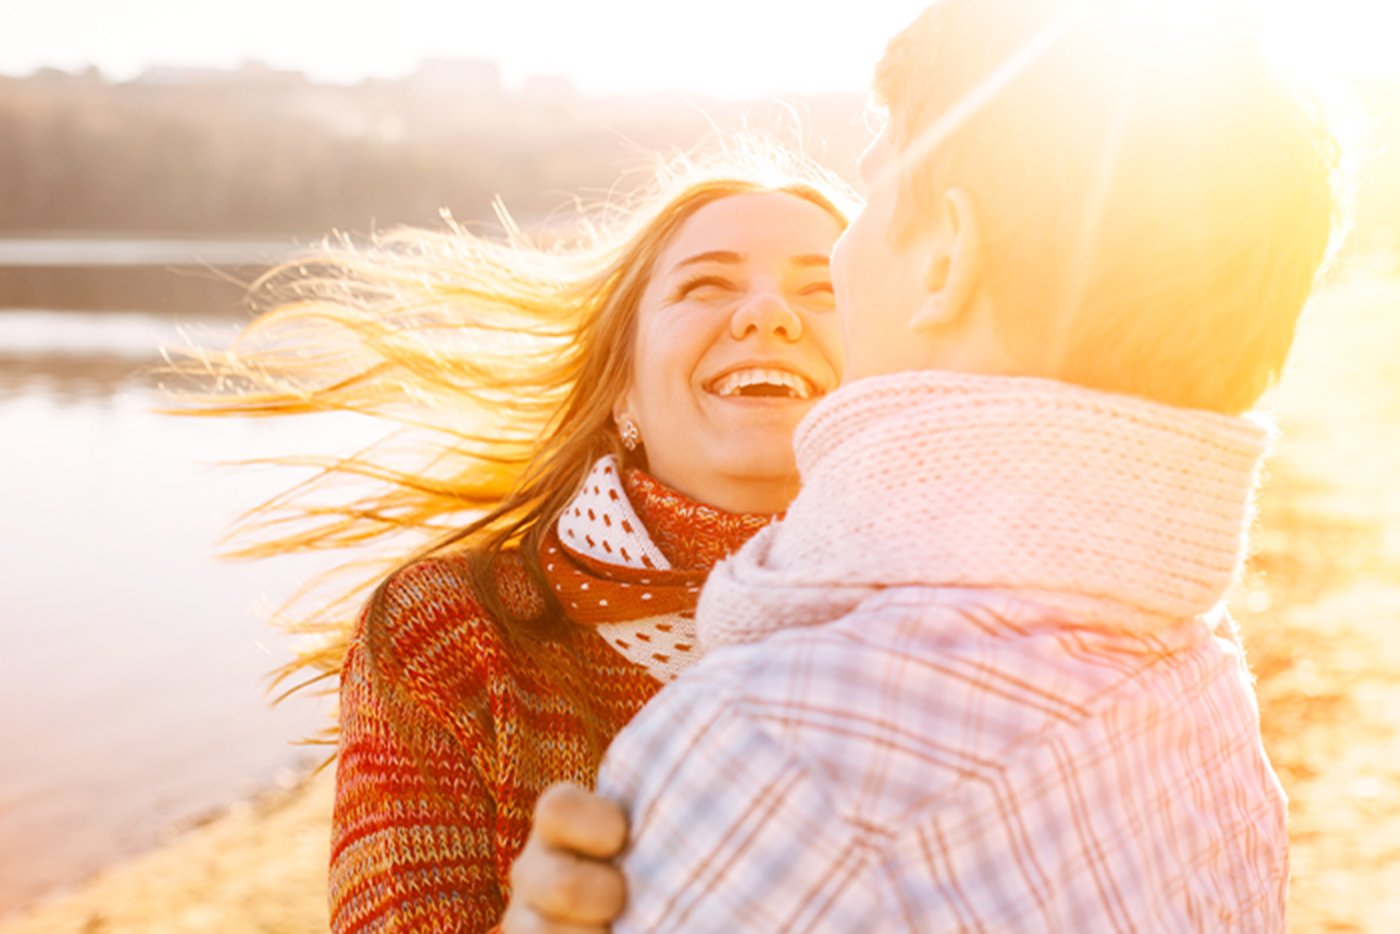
(261, 867)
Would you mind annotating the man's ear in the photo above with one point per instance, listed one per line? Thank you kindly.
(954, 265)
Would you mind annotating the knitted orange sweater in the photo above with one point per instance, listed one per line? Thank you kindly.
(451, 727)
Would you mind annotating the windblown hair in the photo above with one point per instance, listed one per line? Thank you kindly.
(497, 360)
(1156, 196)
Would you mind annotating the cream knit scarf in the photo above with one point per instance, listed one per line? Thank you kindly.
(1117, 511)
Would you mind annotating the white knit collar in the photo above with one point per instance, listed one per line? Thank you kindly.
(600, 523)
(1113, 509)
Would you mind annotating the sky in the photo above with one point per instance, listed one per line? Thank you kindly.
(724, 48)
(720, 47)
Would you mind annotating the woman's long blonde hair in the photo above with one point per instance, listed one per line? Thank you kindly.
(498, 361)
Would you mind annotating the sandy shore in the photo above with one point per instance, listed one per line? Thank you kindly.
(259, 868)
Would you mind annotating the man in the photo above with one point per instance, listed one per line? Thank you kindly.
(980, 677)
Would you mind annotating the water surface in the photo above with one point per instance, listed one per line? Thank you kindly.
(133, 673)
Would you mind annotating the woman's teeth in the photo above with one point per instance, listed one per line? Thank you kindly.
(764, 382)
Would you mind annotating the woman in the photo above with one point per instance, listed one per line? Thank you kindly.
(621, 410)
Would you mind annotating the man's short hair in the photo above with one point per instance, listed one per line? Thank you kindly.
(1155, 196)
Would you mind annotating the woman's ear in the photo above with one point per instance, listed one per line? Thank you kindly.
(627, 428)
(622, 406)
(953, 267)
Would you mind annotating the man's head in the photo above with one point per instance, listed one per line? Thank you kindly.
(1113, 193)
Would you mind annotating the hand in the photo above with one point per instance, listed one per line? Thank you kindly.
(563, 882)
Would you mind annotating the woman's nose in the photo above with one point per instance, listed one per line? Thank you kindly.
(765, 313)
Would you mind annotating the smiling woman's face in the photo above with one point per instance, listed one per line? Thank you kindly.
(737, 337)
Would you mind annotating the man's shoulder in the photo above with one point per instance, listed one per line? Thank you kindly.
(943, 633)
(898, 623)
(896, 644)
(916, 689)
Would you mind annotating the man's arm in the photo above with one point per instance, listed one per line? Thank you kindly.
(731, 831)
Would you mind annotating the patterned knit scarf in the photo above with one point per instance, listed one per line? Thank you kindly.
(629, 556)
(1116, 511)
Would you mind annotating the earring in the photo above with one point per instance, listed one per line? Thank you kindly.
(631, 434)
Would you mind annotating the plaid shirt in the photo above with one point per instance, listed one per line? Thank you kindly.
(942, 759)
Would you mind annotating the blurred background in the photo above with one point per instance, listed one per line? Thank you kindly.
(155, 157)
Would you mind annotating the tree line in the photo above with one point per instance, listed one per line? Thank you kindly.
(277, 154)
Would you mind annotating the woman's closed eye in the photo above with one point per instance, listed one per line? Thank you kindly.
(702, 287)
(818, 293)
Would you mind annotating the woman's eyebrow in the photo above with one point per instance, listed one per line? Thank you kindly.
(713, 256)
(729, 257)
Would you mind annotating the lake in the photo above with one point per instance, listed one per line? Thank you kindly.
(133, 274)
(134, 668)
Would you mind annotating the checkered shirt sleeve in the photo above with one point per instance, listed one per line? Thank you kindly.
(927, 768)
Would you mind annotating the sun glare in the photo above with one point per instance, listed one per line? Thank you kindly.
(1337, 38)
(1326, 38)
